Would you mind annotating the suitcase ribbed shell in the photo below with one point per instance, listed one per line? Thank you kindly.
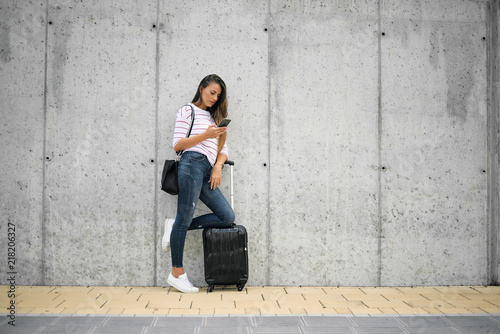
(226, 256)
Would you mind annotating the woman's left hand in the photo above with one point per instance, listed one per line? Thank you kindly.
(215, 177)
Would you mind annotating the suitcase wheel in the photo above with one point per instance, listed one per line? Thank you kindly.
(210, 288)
(240, 286)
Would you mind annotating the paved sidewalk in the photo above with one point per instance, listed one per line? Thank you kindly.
(158, 301)
(255, 310)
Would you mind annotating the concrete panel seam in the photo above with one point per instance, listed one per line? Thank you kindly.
(379, 172)
(157, 134)
(493, 128)
(268, 228)
(44, 151)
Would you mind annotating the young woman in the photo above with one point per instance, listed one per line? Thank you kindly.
(199, 173)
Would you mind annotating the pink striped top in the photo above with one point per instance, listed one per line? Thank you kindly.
(202, 119)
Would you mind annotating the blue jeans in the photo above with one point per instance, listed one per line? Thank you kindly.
(193, 176)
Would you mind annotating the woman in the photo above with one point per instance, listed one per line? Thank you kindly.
(199, 173)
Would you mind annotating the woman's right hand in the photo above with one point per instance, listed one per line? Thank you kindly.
(213, 131)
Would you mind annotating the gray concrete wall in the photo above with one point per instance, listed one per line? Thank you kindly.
(365, 137)
(434, 143)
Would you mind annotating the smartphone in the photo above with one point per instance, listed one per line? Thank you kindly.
(224, 122)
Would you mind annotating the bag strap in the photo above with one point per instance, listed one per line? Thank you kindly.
(190, 128)
(192, 119)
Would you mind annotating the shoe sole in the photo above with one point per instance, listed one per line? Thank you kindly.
(172, 285)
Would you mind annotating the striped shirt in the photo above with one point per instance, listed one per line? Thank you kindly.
(202, 119)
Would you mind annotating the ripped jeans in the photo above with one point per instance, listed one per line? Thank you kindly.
(193, 175)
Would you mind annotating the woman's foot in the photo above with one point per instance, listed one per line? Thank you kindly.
(165, 241)
(181, 283)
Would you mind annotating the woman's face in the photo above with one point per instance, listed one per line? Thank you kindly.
(210, 95)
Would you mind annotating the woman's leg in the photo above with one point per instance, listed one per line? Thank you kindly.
(223, 214)
(191, 171)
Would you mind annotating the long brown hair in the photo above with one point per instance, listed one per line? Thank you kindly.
(219, 109)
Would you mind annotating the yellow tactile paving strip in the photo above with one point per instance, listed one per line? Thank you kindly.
(254, 300)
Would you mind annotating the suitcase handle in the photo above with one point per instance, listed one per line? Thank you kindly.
(231, 163)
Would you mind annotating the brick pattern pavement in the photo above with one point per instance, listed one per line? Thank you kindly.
(158, 301)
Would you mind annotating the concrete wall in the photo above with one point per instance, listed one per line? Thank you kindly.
(365, 137)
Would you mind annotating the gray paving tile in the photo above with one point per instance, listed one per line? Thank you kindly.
(379, 330)
(79, 321)
(179, 322)
(431, 330)
(427, 325)
(278, 321)
(118, 330)
(129, 321)
(66, 329)
(166, 330)
(327, 330)
(471, 330)
(313, 321)
(424, 321)
(374, 322)
(15, 330)
(223, 330)
(275, 330)
(472, 321)
(232, 321)
(33, 321)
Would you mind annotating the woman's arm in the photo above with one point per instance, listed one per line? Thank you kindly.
(211, 132)
(216, 176)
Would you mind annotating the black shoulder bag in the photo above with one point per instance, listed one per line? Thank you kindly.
(169, 181)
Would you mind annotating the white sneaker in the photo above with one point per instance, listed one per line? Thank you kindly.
(165, 242)
(182, 283)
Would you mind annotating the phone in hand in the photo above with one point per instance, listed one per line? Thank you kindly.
(224, 122)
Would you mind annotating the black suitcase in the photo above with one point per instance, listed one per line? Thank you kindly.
(226, 253)
(226, 256)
